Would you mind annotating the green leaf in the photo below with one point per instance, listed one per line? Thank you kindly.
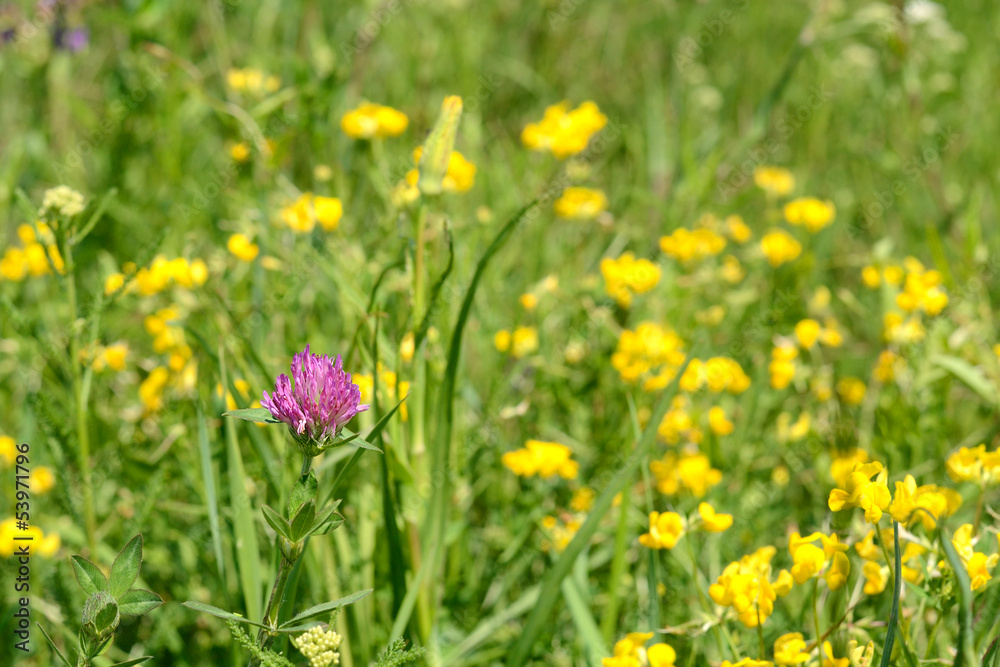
(211, 496)
(586, 628)
(966, 656)
(890, 634)
(328, 526)
(323, 609)
(221, 613)
(88, 575)
(125, 569)
(305, 489)
(277, 522)
(52, 645)
(302, 524)
(138, 601)
(133, 661)
(969, 374)
(552, 582)
(259, 415)
(323, 517)
(992, 657)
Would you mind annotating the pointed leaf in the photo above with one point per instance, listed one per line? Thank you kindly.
(277, 522)
(306, 488)
(133, 661)
(221, 613)
(88, 575)
(138, 601)
(125, 569)
(259, 415)
(303, 522)
(325, 608)
(322, 517)
(52, 645)
(328, 526)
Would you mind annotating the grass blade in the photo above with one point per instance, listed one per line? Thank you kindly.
(586, 627)
(211, 497)
(966, 656)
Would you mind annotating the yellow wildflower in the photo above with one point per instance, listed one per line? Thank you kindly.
(240, 245)
(852, 390)
(664, 530)
(712, 522)
(373, 120)
(688, 245)
(774, 180)
(544, 459)
(626, 276)
(564, 132)
(790, 649)
(580, 204)
(830, 661)
(812, 213)
(861, 491)
(779, 247)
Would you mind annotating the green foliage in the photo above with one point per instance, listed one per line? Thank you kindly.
(397, 654)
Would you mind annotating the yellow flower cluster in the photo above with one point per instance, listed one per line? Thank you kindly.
(782, 366)
(241, 246)
(852, 390)
(629, 652)
(977, 564)
(373, 120)
(627, 275)
(38, 256)
(564, 132)
(875, 573)
(780, 247)
(808, 331)
(677, 423)
(809, 560)
(974, 464)
(926, 503)
(561, 531)
(861, 491)
(774, 180)
(651, 351)
(40, 544)
(580, 204)
(110, 356)
(888, 366)
(688, 245)
(302, 215)
(667, 528)
(790, 649)
(718, 374)
(252, 80)
(459, 177)
(746, 587)
(691, 471)
(520, 343)
(544, 459)
(810, 213)
(160, 275)
(921, 289)
(391, 388)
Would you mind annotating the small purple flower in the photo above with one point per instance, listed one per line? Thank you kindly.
(322, 401)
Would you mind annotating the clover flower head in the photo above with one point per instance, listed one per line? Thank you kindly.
(321, 401)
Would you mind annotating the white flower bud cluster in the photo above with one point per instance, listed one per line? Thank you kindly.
(319, 646)
(63, 200)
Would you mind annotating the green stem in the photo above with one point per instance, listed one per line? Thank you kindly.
(815, 601)
(265, 636)
(760, 637)
(979, 511)
(610, 618)
(704, 600)
(80, 402)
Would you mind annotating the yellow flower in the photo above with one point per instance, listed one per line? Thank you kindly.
(852, 390)
(240, 152)
(580, 204)
(830, 661)
(582, 500)
(712, 522)
(779, 247)
(979, 566)
(974, 465)
(328, 211)
(661, 655)
(303, 214)
(151, 389)
(626, 276)
(665, 530)
(501, 340)
(39, 544)
(691, 471)
(782, 366)
(774, 180)
(14, 265)
(241, 246)
(843, 464)
(718, 423)
(524, 341)
(748, 662)
(861, 491)
(8, 450)
(688, 245)
(544, 459)
(732, 271)
(810, 212)
(112, 356)
(113, 283)
(650, 351)
(528, 301)
(836, 575)
(933, 502)
(406, 347)
(744, 585)
(889, 363)
(41, 480)
(790, 649)
(373, 120)
(564, 132)
(861, 656)
(807, 331)
(737, 229)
